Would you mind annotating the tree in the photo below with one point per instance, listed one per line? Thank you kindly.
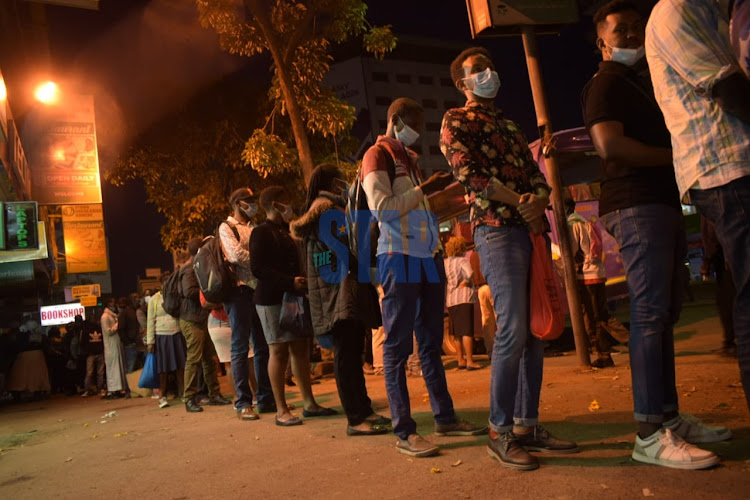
(298, 35)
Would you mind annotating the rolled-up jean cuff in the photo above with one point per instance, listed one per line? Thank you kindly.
(650, 419)
(525, 422)
(500, 428)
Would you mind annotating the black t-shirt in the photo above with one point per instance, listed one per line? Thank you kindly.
(274, 261)
(617, 93)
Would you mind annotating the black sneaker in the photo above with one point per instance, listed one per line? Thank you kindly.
(603, 362)
(218, 400)
(509, 452)
(541, 440)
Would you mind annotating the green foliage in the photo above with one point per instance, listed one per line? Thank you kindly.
(300, 37)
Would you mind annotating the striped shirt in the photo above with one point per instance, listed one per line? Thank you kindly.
(688, 51)
(458, 270)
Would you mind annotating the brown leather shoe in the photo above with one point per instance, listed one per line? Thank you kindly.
(509, 452)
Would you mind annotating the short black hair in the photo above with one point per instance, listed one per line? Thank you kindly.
(243, 193)
(269, 195)
(194, 245)
(457, 70)
(403, 106)
(613, 7)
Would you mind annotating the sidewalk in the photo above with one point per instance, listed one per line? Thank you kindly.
(59, 448)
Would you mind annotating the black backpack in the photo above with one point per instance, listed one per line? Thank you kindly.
(215, 274)
(171, 293)
(364, 217)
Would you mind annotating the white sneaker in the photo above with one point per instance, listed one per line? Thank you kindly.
(163, 403)
(669, 450)
(693, 430)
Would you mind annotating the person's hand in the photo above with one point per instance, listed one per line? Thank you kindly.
(536, 226)
(300, 284)
(437, 182)
(150, 348)
(532, 206)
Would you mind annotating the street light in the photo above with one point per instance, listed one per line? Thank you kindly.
(47, 93)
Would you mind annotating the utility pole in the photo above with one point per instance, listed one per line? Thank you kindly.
(553, 177)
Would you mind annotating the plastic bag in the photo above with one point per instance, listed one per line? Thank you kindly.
(546, 312)
(295, 315)
(149, 377)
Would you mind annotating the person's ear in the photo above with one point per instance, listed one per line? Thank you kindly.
(600, 44)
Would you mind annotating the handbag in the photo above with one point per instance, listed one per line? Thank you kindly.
(149, 377)
(295, 315)
(546, 314)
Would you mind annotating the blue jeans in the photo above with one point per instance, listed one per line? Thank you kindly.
(417, 307)
(243, 319)
(517, 356)
(728, 208)
(653, 248)
(132, 355)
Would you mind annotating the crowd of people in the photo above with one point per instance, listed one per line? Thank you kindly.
(668, 114)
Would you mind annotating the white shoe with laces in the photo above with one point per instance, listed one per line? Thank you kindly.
(667, 449)
(693, 430)
(163, 403)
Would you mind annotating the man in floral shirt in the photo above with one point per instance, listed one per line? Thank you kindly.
(508, 195)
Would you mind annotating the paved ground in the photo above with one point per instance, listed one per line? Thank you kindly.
(59, 447)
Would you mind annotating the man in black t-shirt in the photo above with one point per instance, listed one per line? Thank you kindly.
(640, 208)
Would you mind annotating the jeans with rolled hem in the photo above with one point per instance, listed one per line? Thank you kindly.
(653, 249)
(413, 307)
(728, 208)
(517, 356)
(245, 325)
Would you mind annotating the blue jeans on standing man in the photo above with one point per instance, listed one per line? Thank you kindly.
(517, 355)
(728, 208)
(653, 248)
(416, 306)
(245, 325)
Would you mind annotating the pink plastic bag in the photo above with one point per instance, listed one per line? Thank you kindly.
(546, 311)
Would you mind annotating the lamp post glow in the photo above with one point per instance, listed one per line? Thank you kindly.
(47, 93)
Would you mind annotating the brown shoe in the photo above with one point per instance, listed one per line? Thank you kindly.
(459, 428)
(509, 452)
(539, 439)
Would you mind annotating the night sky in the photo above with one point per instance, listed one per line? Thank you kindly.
(144, 59)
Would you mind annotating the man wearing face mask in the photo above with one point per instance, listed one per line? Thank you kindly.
(490, 156)
(275, 262)
(408, 248)
(243, 318)
(639, 206)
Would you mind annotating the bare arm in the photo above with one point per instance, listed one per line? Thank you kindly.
(613, 146)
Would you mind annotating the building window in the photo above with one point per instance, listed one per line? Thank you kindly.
(429, 104)
(451, 104)
(379, 76)
(425, 80)
(446, 82)
(432, 127)
(382, 101)
(403, 78)
(435, 151)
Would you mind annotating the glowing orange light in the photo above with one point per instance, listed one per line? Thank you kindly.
(59, 155)
(47, 93)
(3, 90)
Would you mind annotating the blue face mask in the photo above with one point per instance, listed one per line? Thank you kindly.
(484, 84)
(405, 133)
(248, 209)
(628, 57)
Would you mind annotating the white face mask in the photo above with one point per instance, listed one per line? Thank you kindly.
(285, 210)
(147, 299)
(405, 133)
(248, 209)
(484, 84)
(628, 57)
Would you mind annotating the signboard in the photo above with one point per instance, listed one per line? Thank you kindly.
(85, 242)
(61, 314)
(3, 110)
(16, 272)
(64, 161)
(496, 17)
(153, 272)
(89, 301)
(85, 290)
(31, 254)
(20, 226)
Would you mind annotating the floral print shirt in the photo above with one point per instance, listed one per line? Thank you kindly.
(480, 144)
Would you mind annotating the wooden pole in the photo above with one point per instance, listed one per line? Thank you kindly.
(553, 177)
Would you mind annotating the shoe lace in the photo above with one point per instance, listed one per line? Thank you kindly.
(541, 433)
(669, 438)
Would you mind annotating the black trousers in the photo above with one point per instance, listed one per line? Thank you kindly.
(725, 292)
(594, 302)
(348, 344)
